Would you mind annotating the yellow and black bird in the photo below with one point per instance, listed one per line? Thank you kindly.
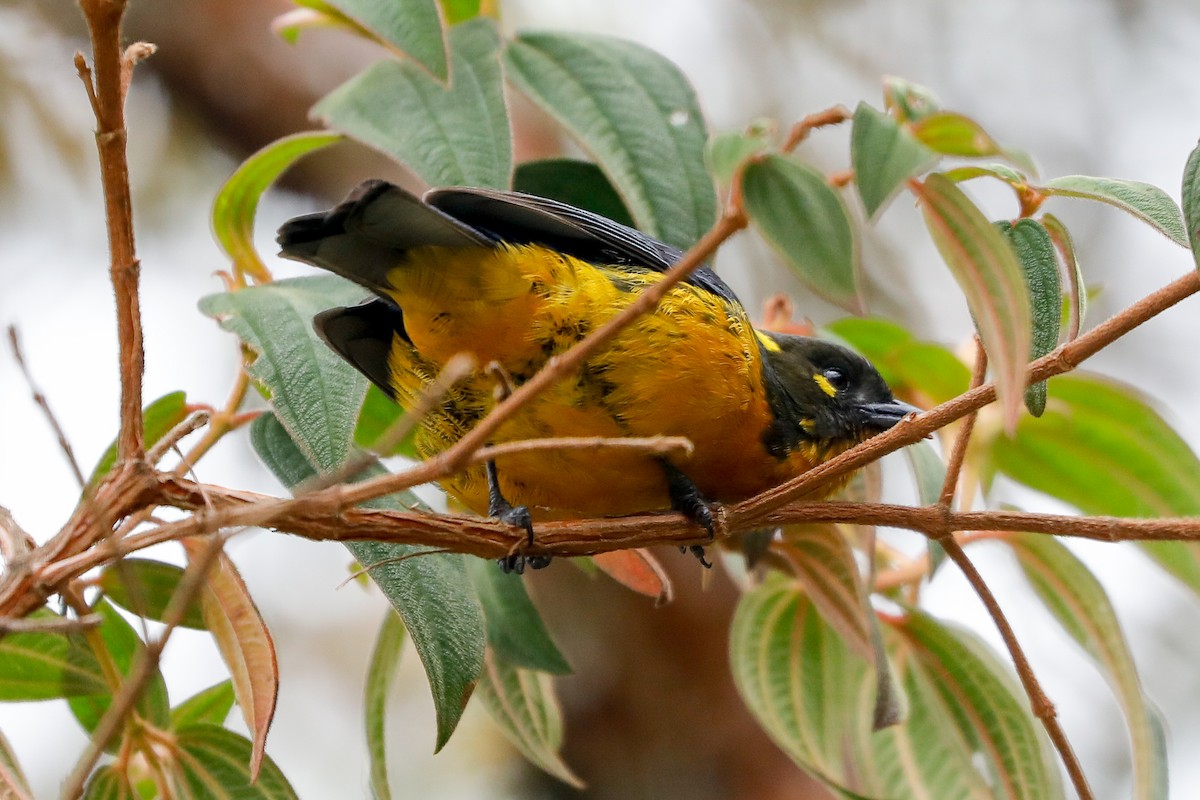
(518, 279)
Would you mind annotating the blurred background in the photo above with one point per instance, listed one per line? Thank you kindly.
(1098, 87)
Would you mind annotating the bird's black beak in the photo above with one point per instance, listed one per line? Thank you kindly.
(885, 415)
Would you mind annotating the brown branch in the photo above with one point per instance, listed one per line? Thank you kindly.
(39, 399)
(329, 514)
(835, 115)
(106, 84)
(959, 452)
(1043, 709)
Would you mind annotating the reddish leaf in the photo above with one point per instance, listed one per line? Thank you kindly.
(636, 570)
(245, 645)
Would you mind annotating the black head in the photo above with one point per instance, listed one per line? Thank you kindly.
(830, 393)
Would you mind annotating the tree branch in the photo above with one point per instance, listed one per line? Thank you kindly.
(107, 95)
(1043, 709)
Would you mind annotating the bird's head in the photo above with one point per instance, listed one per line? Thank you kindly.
(827, 393)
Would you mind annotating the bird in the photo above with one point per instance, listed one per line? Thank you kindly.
(515, 280)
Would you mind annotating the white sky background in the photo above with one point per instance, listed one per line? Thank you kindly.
(1087, 86)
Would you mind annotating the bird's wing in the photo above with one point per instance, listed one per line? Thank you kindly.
(526, 219)
(366, 236)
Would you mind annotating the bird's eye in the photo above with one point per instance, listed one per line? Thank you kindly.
(837, 379)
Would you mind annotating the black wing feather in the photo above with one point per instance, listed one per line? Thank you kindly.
(527, 219)
(362, 335)
(367, 235)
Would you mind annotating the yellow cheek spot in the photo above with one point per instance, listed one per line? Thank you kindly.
(808, 425)
(767, 342)
(825, 385)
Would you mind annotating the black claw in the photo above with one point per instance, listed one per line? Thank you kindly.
(687, 500)
(517, 516)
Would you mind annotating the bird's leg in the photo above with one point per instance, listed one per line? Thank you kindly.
(498, 506)
(687, 500)
(518, 516)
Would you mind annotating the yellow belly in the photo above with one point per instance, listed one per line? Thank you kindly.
(693, 368)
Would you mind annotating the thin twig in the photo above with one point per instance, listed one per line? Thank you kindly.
(220, 422)
(15, 542)
(958, 452)
(835, 115)
(457, 368)
(50, 625)
(1043, 709)
(190, 424)
(39, 399)
(106, 83)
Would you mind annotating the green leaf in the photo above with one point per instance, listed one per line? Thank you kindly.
(813, 697)
(725, 153)
(314, 391)
(515, 628)
(927, 756)
(377, 416)
(236, 205)
(1103, 449)
(158, 419)
(109, 783)
(808, 691)
(884, 156)
(1148, 203)
(953, 134)
(824, 564)
(1077, 600)
(578, 183)
(927, 373)
(456, 135)
(381, 672)
(457, 11)
(1191, 202)
(1001, 172)
(635, 114)
(412, 27)
(211, 705)
(929, 471)
(123, 646)
(807, 223)
(987, 271)
(13, 785)
(1035, 251)
(432, 593)
(1076, 294)
(145, 587)
(212, 763)
(908, 101)
(986, 705)
(41, 665)
(522, 702)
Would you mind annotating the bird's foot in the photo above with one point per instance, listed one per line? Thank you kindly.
(517, 516)
(687, 500)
